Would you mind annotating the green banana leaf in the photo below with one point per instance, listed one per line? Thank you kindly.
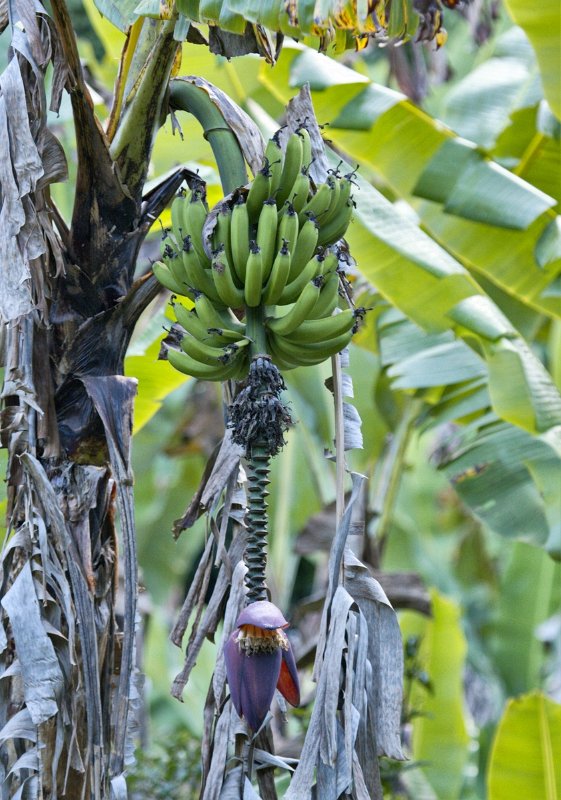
(525, 756)
(542, 25)
(509, 479)
(440, 736)
(417, 276)
(493, 221)
(479, 105)
(529, 593)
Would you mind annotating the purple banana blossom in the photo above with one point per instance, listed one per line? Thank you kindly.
(259, 659)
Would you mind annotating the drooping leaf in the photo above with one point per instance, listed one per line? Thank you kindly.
(42, 678)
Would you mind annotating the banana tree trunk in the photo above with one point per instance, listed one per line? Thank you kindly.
(69, 303)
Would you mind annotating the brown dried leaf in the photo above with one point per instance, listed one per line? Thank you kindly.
(42, 678)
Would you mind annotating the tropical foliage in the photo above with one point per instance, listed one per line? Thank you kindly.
(452, 399)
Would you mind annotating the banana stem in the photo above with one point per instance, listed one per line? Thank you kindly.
(255, 330)
(187, 96)
(255, 555)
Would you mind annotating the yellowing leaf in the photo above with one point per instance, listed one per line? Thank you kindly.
(525, 756)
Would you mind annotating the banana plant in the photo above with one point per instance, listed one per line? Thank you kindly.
(72, 298)
(69, 302)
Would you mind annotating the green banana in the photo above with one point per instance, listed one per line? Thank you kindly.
(333, 209)
(291, 167)
(190, 366)
(224, 283)
(273, 158)
(279, 359)
(306, 146)
(194, 216)
(300, 311)
(313, 331)
(294, 289)
(328, 298)
(174, 263)
(216, 318)
(221, 233)
(197, 277)
(309, 354)
(317, 205)
(177, 218)
(300, 190)
(305, 247)
(206, 353)
(253, 276)
(239, 238)
(259, 191)
(288, 226)
(164, 276)
(279, 275)
(267, 235)
(190, 322)
(336, 229)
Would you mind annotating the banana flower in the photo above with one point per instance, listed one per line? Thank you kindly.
(259, 659)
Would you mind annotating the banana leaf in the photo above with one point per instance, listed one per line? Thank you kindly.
(542, 28)
(525, 755)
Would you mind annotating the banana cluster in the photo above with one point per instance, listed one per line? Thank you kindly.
(271, 255)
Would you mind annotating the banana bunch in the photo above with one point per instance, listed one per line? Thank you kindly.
(271, 256)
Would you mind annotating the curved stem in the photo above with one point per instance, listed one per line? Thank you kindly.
(186, 96)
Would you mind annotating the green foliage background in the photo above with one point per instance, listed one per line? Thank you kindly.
(458, 203)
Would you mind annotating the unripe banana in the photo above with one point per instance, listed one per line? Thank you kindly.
(300, 311)
(253, 277)
(300, 190)
(190, 366)
(267, 235)
(164, 276)
(328, 297)
(274, 159)
(213, 317)
(221, 233)
(333, 209)
(313, 331)
(309, 354)
(305, 247)
(226, 288)
(197, 277)
(191, 322)
(177, 211)
(306, 147)
(288, 227)
(317, 205)
(239, 238)
(293, 290)
(279, 275)
(174, 263)
(281, 361)
(259, 191)
(336, 229)
(194, 216)
(206, 353)
(291, 167)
